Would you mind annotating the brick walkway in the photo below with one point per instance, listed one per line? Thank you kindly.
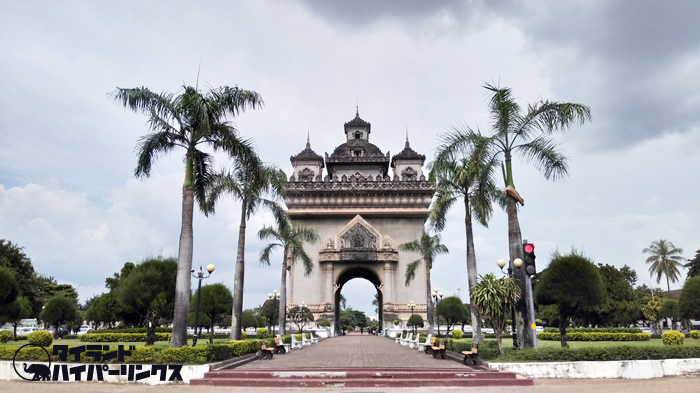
(361, 351)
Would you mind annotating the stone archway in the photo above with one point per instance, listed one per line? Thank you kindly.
(352, 272)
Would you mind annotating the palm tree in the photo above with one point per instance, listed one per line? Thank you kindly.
(471, 180)
(291, 240)
(250, 185)
(428, 247)
(495, 298)
(665, 260)
(189, 121)
(528, 134)
(693, 265)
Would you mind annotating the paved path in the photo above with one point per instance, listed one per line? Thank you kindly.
(675, 385)
(353, 351)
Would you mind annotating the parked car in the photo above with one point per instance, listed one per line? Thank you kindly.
(25, 331)
(61, 331)
(84, 329)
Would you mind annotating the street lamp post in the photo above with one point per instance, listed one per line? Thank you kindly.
(437, 295)
(276, 297)
(517, 262)
(412, 305)
(200, 276)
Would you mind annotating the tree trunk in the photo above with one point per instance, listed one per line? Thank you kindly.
(563, 322)
(283, 296)
(151, 334)
(522, 317)
(184, 272)
(211, 333)
(429, 299)
(236, 315)
(477, 337)
(499, 340)
(668, 284)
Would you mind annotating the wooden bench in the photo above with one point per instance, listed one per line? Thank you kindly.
(265, 352)
(279, 346)
(439, 349)
(472, 357)
(429, 346)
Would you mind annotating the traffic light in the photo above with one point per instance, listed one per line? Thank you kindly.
(529, 258)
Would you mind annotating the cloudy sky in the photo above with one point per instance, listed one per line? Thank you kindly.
(67, 151)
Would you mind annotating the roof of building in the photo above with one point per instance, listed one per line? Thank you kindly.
(407, 154)
(346, 149)
(307, 155)
(358, 122)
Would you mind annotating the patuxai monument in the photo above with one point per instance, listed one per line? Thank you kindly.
(363, 203)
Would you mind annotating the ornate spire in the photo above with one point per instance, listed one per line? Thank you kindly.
(308, 139)
(307, 154)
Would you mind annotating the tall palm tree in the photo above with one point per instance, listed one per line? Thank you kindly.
(665, 260)
(190, 120)
(428, 247)
(693, 265)
(256, 187)
(495, 298)
(471, 181)
(528, 134)
(291, 240)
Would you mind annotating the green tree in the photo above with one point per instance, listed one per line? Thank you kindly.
(415, 320)
(453, 311)
(470, 180)
(9, 290)
(105, 309)
(15, 312)
(693, 265)
(190, 121)
(620, 307)
(215, 302)
(347, 318)
(150, 291)
(665, 259)
(59, 310)
(652, 312)
(113, 282)
(30, 285)
(572, 282)
(249, 184)
(300, 316)
(689, 301)
(270, 311)
(249, 320)
(671, 310)
(495, 299)
(428, 247)
(290, 239)
(528, 134)
(360, 318)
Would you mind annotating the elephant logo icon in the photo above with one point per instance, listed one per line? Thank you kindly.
(41, 372)
(33, 371)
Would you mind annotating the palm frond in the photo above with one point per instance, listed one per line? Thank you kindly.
(411, 271)
(266, 252)
(443, 201)
(202, 174)
(150, 147)
(549, 117)
(544, 154)
(143, 100)
(234, 100)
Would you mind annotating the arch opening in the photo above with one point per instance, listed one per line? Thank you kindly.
(357, 273)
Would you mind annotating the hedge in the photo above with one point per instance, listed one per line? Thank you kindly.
(594, 330)
(487, 349)
(596, 336)
(146, 355)
(120, 337)
(594, 354)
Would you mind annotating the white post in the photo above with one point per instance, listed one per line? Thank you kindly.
(531, 308)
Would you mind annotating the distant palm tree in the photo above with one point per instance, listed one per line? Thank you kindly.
(291, 240)
(189, 121)
(693, 265)
(528, 134)
(428, 247)
(665, 260)
(469, 180)
(255, 187)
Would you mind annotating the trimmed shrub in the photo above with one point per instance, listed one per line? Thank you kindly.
(121, 337)
(6, 335)
(575, 336)
(596, 354)
(487, 349)
(397, 322)
(324, 324)
(41, 337)
(244, 335)
(457, 333)
(594, 330)
(694, 334)
(262, 333)
(672, 337)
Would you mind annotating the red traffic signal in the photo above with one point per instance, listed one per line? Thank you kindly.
(529, 258)
(529, 248)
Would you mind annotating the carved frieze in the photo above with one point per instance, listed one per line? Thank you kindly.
(358, 237)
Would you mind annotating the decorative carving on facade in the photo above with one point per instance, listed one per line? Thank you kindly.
(306, 175)
(387, 242)
(330, 243)
(358, 237)
(345, 185)
(408, 174)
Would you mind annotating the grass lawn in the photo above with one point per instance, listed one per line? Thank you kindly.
(75, 342)
(508, 343)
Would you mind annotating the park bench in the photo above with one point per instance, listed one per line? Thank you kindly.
(414, 343)
(287, 347)
(305, 341)
(404, 341)
(296, 344)
(421, 345)
(472, 356)
(314, 340)
(439, 349)
(429, 346)
(265, 352)
(280, 346)
(399, 338)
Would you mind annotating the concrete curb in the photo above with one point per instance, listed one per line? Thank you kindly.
(626, 369)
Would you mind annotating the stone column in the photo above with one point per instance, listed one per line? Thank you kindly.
(328, 287)
(388, 292)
